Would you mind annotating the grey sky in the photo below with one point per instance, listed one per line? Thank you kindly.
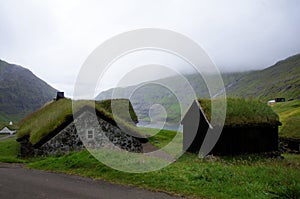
(53, 38)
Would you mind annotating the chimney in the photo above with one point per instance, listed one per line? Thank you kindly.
(60, 95)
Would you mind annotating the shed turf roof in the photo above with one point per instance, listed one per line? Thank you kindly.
(243, 112)
(56, 114)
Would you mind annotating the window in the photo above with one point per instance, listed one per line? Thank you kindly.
(90, 134)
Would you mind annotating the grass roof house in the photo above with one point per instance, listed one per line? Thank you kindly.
(250, 127)
(51, 130)
(6, 130)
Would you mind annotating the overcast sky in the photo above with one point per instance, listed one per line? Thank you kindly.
(53, 38)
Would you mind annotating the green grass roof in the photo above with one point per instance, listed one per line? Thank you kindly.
(243, 112)
(57, 113)
(10, 127)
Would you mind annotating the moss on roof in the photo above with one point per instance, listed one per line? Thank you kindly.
(120, 109)
(243, 112)
(57, 113)
(10, 127)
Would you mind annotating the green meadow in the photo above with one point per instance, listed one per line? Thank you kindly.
(248, 176)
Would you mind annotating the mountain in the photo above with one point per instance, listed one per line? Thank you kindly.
(21, 92)
(143, 97)
(279, 80)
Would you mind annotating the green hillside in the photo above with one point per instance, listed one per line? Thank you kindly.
(21, 92)
(289, 113)
(279, 80)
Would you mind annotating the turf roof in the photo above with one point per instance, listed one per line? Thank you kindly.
(10, 127)
(243, 112)
(55, 115)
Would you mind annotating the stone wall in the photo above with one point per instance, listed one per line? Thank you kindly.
(65, 141)
(104, 134)
(87, 133)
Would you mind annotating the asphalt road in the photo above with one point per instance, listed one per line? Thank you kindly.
(17, 182)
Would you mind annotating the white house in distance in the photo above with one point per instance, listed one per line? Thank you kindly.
(6, 130)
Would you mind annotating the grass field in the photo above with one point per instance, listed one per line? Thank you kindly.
(289, 113)
(240, 177)
(9, 150)
(190, 176)
(160, 138)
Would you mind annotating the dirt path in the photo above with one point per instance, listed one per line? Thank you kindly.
(6, 136)
(17, 182)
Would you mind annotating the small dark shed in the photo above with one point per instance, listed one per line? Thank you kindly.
(250, 127)
(279, 99)
(60, 95)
